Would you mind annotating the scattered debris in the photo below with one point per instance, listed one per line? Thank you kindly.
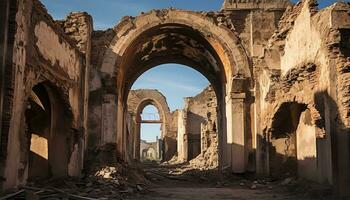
(107, 178)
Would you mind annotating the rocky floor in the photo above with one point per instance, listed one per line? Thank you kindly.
(172, 183)
(169, 182)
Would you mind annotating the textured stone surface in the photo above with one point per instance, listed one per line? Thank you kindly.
(43, 55)
(280, 73)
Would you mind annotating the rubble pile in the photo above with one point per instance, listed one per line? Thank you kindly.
(106, 178)
(173, 161)
(207, 160)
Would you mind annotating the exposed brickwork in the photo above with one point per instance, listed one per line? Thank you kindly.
(280, 72)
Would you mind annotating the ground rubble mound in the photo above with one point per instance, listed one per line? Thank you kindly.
(106, 178)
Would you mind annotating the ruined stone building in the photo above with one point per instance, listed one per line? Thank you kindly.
(149, 151)
(197, 124)
(280, 73)
(182, 131)
(137, 101)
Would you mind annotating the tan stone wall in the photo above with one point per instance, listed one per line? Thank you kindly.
(199, 109)
(254, 4)
(304, 63)
(149, 151)
(254, 26)
(257, 60)
(42, 53)
(191, 122)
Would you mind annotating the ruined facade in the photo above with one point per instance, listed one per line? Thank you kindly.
(280, 73)
(137, 101)
(150, 151)
(44, 116)
(186, 133)
(305, 83)
(197, 125)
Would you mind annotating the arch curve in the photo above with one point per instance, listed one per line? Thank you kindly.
(223, 44)
(137, 101)
(202, 41)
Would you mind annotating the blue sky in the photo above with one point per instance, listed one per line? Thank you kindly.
(149, 132)
(174, 81)
(107, 13)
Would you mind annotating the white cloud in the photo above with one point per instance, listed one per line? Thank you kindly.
(169, 83)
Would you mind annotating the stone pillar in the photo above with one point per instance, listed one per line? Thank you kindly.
(109, 115)
(137, 150)
(238, 130)
(182, 141)
(159, 149)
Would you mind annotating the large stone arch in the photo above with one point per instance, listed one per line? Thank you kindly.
(137, 101)
(219, 35)
(201, 41)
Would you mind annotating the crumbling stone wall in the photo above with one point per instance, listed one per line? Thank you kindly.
(197, 124)
(101, 93)
(42, 54)
(258, 56)
(149, 151)
(79, 27)
(254, 21)
(206, 45)
(200, 109)
(185, 127)
(305, 62)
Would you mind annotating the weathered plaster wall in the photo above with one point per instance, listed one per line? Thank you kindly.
(254, 22)
(304, 63)
(63, 55)
(42, 53)
(307, 148)
(79, 27)
(98, 87)
(256, 59)
(199, 108)
(11, 172)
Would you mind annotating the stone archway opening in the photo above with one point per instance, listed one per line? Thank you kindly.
(38, 118)
(194, 40)
(48, 134)
(293, 143)
(151, 133)
(188, 132)
(175, 44)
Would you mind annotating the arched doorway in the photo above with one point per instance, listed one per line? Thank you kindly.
(49, 134)
(293, 143)
(151, 132)
(184, 37)
(38, 118)
(138, 100)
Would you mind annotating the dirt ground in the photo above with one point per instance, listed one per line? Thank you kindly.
(152, 181)
(172, 183)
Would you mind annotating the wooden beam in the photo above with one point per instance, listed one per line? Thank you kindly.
(151, 121)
